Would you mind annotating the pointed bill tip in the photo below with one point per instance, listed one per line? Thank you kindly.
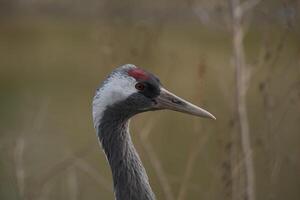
(210, 116)
(192, 109)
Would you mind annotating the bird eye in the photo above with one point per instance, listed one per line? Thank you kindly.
(140, 86)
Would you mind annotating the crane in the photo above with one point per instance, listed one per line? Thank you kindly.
(127, 91)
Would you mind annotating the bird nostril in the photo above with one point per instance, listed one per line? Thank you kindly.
(176, 101)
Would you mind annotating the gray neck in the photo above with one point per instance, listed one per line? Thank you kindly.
(129, 176)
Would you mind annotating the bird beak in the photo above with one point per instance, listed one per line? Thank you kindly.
(168, 100)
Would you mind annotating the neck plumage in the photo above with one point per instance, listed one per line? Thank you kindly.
(129, 176)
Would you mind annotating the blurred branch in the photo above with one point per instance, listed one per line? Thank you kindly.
(93, 173)
(275, 170)
(271, 55)
(192, 158)
(54, 171)
(274, 173)
(72, 183)
(178, 180)
(248, 5)
(19, 163)
(41, 114)
(19, 151)
(280, 46)
(144, 133)
(45, 191)
(242, 76)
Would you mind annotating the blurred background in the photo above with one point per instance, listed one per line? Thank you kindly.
(238, 59)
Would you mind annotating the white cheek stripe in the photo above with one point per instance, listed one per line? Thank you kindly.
(116, 88)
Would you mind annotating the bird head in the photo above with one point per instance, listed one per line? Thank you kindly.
(130, 90)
